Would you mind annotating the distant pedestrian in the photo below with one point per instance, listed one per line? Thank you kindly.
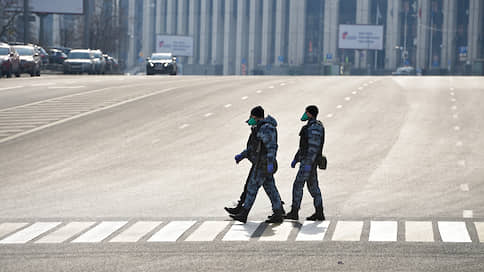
(261, 151)
(309, 155)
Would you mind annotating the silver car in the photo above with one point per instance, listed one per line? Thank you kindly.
(79, 61)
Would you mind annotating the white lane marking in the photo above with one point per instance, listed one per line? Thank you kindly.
(453, 100)
(339, 106)
(348, 231)
(10, 88)
(462, 163)
(277, 232)
(207, 231)
(271, 87)
(43, 84)
(464, 187)
(383, 231)
(283, 84)
(172, 231)
(29, 233)
(100, 232)
(347, 98)
(258, 91)
(354, 92)
(452, 93)
(312, 231)
(451, 89)
(7, 228)
(365, 85)
(329, 115)
(82, 114)
(456, 128)
(136, 232)
(467, 214)
(360, 88)
(453, 108)
(183, 126)
(66, 87)
(480, 230)
(244, 97)
(208, 114)
(455, 116)
(241, 232)
(66, 232)
(459, 144)
(416, 231)
(454, 232)
(228, 106)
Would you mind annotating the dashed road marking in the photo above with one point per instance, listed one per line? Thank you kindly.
(354, 92)
(347, 98)
(313, 231)
(383, 231)
(459, 144)
(136, 232)
(454, 107)
(467, 214)
(454, 232)
(453, 100)
(63, 234)
(244, 97)
(348, 231)
(66, 87)
(7, 228)
(418, 231)
(29, 233)
(208, 114)
(207, 231)
(456, 128)
(258, 91)
(464, 187)
(452, 93)
(241, 232)
(11, 88)
(228, 106)
(329, 115)
(271, 87)
(172, 231)
(184, 126)
(451, 89)
(339, 106)
(100, 232)
(283, 84)
(277, 232)
(360, 88)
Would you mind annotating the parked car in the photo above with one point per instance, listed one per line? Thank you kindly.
(30, 61)
(44, 57)
(56, 56)
(79, 61)
(405, 71)
(66, 50)
(9, 61)
(99, 62)
(162, 63)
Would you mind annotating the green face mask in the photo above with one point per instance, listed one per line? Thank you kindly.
(252, 122)
(305, 117)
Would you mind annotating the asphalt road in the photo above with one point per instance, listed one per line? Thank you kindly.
(401, 150)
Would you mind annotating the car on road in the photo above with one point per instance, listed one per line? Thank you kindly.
(9, 61)
(79, 61)
(56, 56)
(405, 71)
(99, 62)
(44, 56)
(30, 61)
(161, 63)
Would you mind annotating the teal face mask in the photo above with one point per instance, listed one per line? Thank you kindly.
(305, 117)
(252, 122)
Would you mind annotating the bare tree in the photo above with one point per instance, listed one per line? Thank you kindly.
(9, 11)
(106, 30)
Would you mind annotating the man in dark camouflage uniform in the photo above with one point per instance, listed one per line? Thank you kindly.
(261, 151)
(309, 155)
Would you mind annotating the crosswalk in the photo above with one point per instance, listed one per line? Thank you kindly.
(187, 231)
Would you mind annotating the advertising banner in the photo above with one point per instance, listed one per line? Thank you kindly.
(177, 45)
(361, 37)
(50, 6)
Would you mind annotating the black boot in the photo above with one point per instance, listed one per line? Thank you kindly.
(317, 216)
(292, 215)
(277, 217)
(234, 210)
(242, 216)
(283, 212)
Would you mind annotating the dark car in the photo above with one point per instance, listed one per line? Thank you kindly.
(44, 57)
(405, 71)
(57, 56)
(30, 62)
(9, 61)
(79, 61)
(162, 63)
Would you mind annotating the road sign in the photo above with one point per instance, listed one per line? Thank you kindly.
(329, 56)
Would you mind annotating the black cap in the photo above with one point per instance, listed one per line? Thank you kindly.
(313, 110)
(257, 112)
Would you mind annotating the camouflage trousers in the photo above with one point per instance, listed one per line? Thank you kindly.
(311, 179)
(257, 179)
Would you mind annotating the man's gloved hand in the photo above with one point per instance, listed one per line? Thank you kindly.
(238, 158)
(307, 168)
(293, 164)
(270, 168)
